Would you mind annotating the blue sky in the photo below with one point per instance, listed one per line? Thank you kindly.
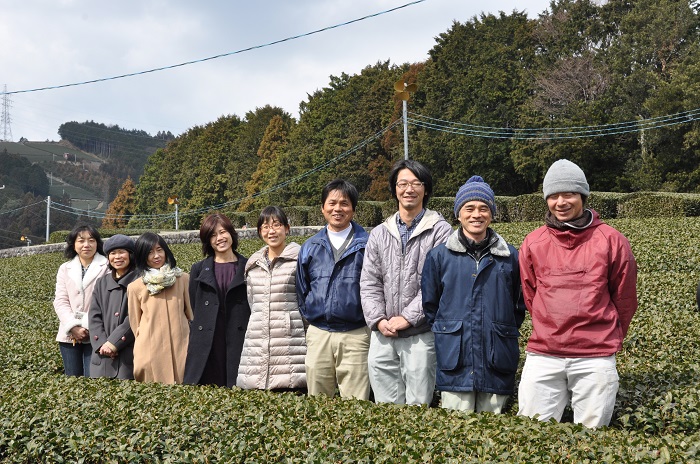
(56, 42)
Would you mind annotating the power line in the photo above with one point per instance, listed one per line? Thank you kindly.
(550, 133)
(21, 208)
(222, 55)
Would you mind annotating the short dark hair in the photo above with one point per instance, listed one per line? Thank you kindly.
(274, 213)
(344, 187)
(70, 252)
(208, 229)
(144, 245)
(419, 170)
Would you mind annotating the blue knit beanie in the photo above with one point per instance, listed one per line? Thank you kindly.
(475, 189)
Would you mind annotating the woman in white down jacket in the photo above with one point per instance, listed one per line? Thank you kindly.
(275, 343)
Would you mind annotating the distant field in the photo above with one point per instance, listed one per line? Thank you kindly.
(41, 152)
(46, 151)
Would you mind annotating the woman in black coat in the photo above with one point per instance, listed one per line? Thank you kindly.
(221, 312)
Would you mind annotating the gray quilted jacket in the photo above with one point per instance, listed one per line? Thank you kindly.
(390, 279)
(275, 340)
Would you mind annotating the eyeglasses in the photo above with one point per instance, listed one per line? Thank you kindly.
(275, 225)
(403, 185)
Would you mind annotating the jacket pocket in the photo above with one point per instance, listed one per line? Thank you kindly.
(448, 344)
(504, 351)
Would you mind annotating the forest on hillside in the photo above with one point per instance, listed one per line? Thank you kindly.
(614, 87)
(124, 151)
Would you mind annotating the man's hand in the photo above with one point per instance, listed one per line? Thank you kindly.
(386, 329)
(391, 327)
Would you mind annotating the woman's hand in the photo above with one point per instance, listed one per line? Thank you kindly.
(108, 350)
(79, 334)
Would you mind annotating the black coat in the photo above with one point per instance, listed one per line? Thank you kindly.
(205, 306)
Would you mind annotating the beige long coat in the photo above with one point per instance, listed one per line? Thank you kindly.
(161, 327)
(274, 348)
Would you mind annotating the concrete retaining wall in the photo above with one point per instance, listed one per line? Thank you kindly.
(186, 236)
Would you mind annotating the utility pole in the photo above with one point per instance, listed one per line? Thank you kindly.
(5, 120)
(48, 216)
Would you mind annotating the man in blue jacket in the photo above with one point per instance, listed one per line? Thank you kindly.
(328, 291)
(472, 300)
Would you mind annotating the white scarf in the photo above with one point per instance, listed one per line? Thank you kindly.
(158, 279)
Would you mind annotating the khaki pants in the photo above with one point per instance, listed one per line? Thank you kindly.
(337, 358)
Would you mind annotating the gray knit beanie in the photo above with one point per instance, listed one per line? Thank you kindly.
(118, 241)
(565, 176)
(475, 189)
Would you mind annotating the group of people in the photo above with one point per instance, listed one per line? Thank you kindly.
(410, 308)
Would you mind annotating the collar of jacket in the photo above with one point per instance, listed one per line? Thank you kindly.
(75, 270)
(571, 238)
(497, 247)
(207, 277)
(430, 218)
(359, 240)
(290, 253)
(123, 282)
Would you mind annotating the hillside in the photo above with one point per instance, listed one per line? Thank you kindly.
(65, 169)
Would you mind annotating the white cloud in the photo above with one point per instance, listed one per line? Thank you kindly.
(50, 42)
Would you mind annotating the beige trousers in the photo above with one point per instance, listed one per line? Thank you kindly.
(337, 358)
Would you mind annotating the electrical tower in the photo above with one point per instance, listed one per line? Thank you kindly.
(5, 120)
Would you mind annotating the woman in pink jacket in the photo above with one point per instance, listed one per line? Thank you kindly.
(75, 282)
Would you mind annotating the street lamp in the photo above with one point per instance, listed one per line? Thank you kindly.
(404, 91)
(26, 239)
(174, 201)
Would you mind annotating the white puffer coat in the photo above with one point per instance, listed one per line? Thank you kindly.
(275, 341)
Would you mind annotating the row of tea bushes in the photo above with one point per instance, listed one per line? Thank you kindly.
(46, 417)
(522, 208)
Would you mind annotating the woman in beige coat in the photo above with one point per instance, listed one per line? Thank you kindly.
(274, 347)
(159, 312)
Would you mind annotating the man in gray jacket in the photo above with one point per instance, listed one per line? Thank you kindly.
(401, 357)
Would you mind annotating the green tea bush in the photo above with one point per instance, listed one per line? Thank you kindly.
(47, 417)
(652, 204)
(368, 213)
(444, 206)
(606, 203)
(297, 215)
(524, 208)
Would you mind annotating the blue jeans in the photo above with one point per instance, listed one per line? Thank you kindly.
(76, 358)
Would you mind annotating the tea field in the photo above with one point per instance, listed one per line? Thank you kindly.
(47, 417)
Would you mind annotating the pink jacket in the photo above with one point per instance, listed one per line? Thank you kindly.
(580, 287)
(73, 292)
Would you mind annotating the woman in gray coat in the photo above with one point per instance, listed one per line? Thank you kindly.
(274, 349)
(110, 333)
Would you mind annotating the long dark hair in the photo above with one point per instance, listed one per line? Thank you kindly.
(70, 252)
(144, 245)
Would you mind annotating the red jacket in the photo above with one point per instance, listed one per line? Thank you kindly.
(580, 287)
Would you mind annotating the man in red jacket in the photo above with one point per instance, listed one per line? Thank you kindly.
(579, 280)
